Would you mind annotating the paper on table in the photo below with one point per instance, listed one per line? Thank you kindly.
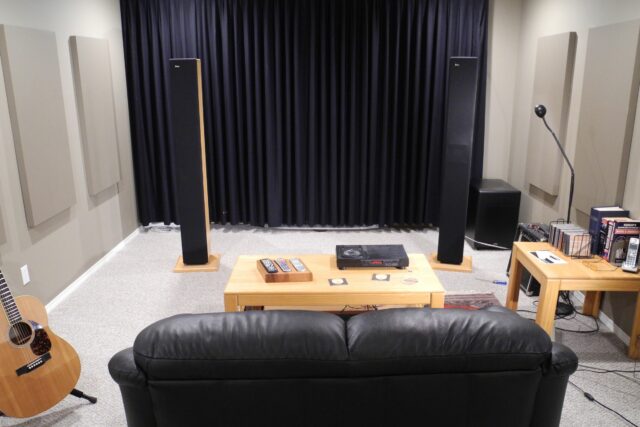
(548, 257)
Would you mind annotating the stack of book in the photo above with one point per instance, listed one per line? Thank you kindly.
(614, 237)
(611, 229)
(595, 224)
(571, 239)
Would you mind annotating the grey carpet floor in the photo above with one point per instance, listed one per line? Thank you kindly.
(137, 287)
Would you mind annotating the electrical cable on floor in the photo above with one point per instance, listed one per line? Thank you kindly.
(590, 331)
(590, 397)
(571, 316)
(489, 245)
(596, 370)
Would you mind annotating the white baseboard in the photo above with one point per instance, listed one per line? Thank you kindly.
(84, 276)
(605, 320)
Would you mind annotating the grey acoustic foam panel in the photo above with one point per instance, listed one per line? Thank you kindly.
(607, 114)
(3, 236)
(36, 107)
(552, 88)
(94, 95)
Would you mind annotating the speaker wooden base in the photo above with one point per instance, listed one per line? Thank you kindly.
(464, 267)
(212, 265)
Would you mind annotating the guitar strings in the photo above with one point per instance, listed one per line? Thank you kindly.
(7, 301)
(5, 297)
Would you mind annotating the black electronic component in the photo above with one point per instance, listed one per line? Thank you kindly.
(371, 256)
(268, 265)
(494, 206)
(530, 232)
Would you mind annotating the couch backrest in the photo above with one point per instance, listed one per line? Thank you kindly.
(299, 344)
(410, 341)
(255, 344)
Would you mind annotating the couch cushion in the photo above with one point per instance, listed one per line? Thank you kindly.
(257, 344)
(432, 341)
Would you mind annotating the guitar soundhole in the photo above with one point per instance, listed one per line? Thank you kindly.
(20, 333)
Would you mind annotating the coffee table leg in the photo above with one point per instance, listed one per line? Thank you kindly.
(634, 343)
(545, 317)
(515, 274)
(231, 303)
(437, 300)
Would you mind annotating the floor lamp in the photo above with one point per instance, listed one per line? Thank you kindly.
(562, 309)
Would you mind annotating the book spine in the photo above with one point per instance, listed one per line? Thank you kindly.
(602, 237)
(594, 230)
(558, 236)
(594, 222)
(607, 246)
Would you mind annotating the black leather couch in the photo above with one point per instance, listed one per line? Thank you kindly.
(385, 368)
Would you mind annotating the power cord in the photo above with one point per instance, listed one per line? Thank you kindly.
(590, 331)
(596, 370)
(489, 245)
(571, 317)
(590, 397)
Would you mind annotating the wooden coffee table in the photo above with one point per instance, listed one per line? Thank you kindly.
(417, 285)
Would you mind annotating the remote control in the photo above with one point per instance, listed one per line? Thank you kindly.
(282, 263)
(297, 264)
(268, 265)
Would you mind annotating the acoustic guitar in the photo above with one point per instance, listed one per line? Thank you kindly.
(37, 368)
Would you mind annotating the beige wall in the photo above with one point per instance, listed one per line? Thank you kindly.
(62, 248)
(502, 55)
(541, 18)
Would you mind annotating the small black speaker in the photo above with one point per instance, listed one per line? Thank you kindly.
(460, 114)
(189, 157)
(494, 207)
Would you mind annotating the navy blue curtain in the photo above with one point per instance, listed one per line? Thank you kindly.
(317, 112)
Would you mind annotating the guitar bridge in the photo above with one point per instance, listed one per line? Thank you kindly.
(33, 365)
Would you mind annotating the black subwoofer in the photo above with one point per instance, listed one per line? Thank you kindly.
(460, 114)
(189, 156)
(494, 206)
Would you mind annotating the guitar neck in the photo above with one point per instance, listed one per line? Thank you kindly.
(8, 303)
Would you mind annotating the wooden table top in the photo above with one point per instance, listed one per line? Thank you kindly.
(245, 277)
(575, 268)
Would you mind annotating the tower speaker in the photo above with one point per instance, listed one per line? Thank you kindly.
(190, 164)
(460, 114)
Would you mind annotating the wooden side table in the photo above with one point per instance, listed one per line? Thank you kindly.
(575, 275)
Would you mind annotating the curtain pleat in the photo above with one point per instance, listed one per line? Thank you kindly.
(316, 112)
